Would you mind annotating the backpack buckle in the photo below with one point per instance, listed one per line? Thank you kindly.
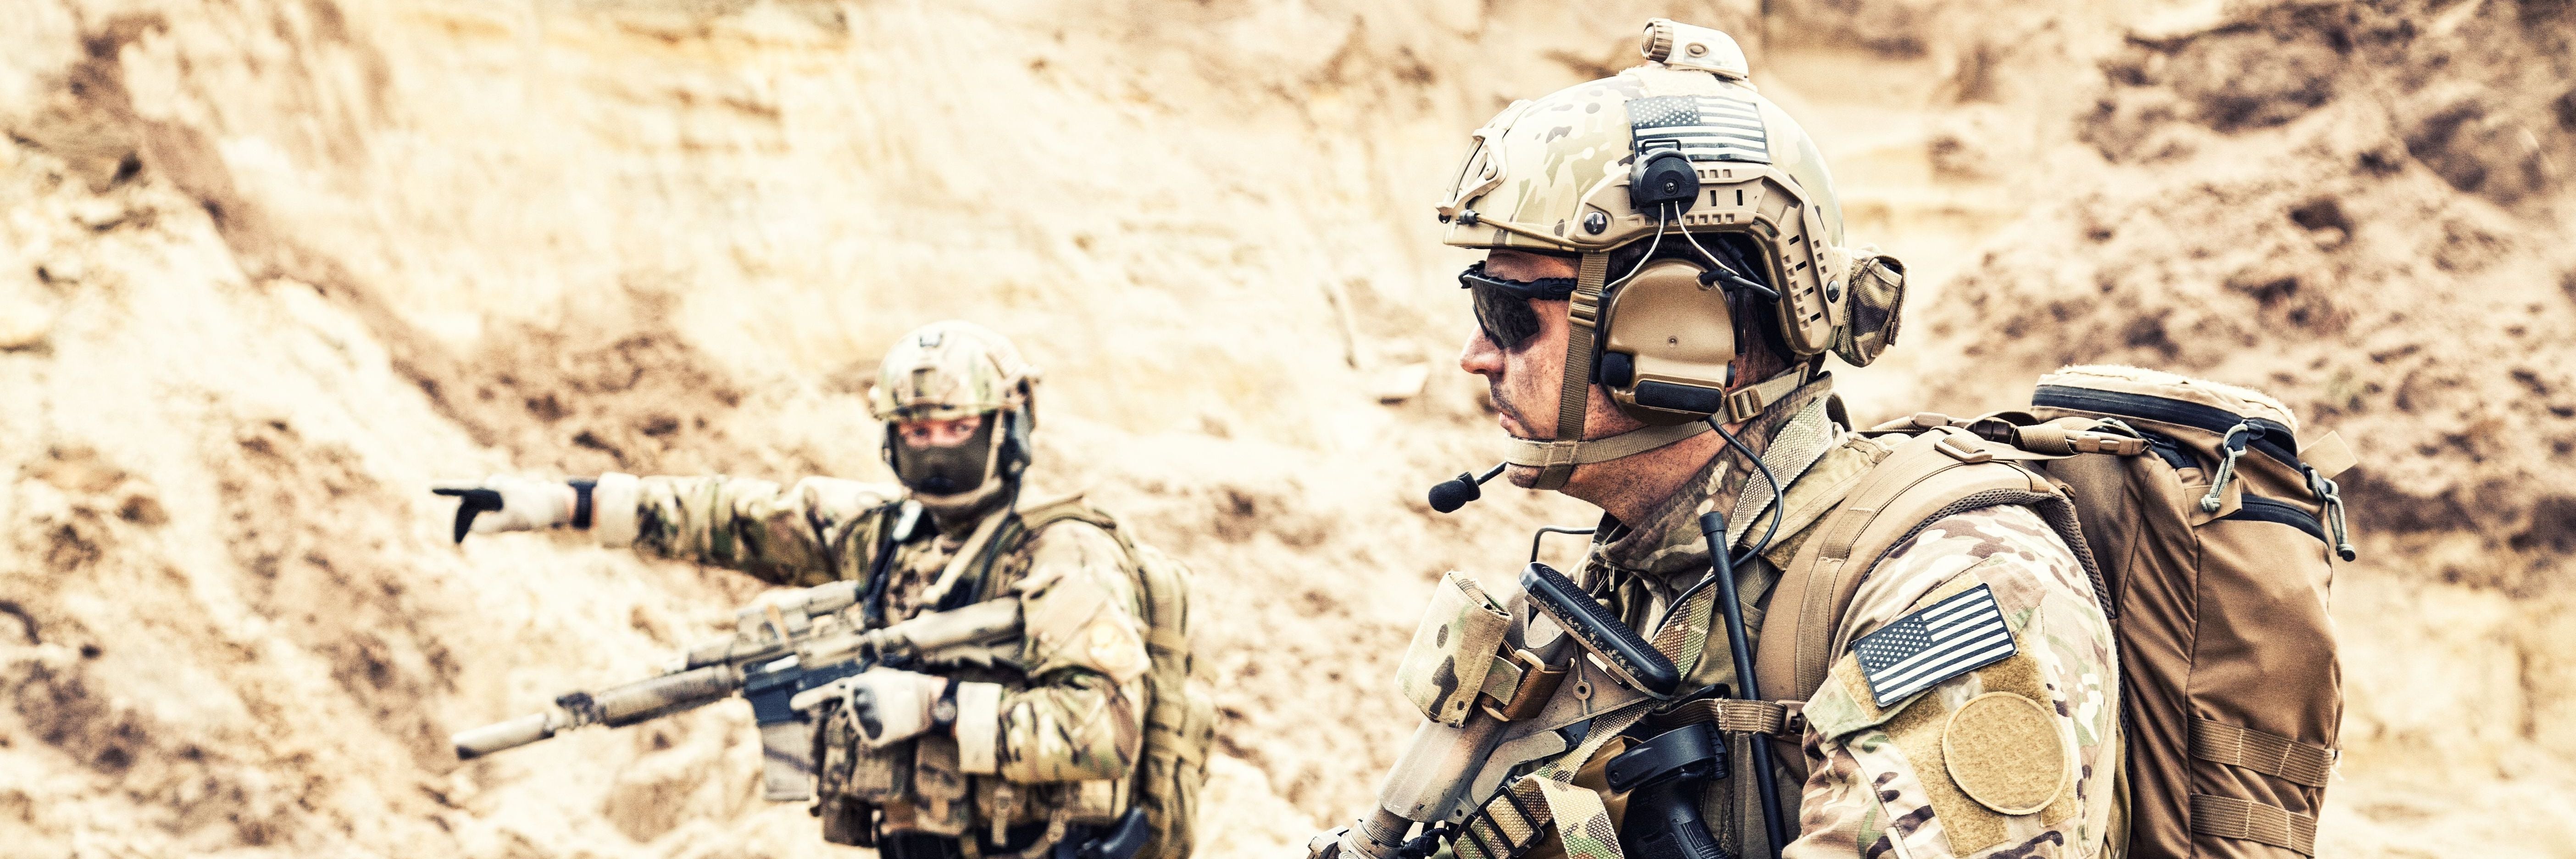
(2102, 442)
(1961, 450)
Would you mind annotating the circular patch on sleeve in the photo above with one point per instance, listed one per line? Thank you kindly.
(2005, 752)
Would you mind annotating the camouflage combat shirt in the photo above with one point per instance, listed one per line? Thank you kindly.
(1070, 723)
(2013, 759)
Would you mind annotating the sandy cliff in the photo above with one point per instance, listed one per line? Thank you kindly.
(269, 267)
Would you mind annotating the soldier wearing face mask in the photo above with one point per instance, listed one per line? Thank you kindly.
(1081, 737)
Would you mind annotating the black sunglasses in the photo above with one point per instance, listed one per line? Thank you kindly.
(1502, 306)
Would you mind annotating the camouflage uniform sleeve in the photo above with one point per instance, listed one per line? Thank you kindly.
(2012, 759)
(1081, 715)
(788, 536)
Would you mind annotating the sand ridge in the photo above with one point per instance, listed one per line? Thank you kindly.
(268, 268)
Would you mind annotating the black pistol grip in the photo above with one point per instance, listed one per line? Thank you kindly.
(1664, 778)
(1664, 820)
(1592, 626)
(1122, 840)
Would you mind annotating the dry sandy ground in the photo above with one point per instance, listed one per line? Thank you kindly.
(269, 267)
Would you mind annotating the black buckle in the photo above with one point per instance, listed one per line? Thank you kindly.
(1508, 850)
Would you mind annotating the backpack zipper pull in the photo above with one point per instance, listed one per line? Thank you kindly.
(2332, 496)
(2226, 468)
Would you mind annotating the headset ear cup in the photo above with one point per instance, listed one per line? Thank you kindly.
(1016, 450)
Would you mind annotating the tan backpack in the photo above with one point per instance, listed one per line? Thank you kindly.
(2209, 530)
(1180, 718)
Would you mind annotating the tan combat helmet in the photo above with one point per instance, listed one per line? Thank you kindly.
(949, 370)
(1676, 152)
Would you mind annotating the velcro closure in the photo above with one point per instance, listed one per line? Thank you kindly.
(612, 509)
(2228, 817)
(2262, 751)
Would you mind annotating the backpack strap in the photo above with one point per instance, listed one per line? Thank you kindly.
(894, 525)
(1939, 472)
(1163, 636)
(1017, 527)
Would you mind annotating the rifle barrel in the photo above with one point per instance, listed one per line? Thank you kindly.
(499, 736)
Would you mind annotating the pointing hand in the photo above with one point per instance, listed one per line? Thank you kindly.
(515, 503)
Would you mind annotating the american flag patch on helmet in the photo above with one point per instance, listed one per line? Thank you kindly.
(1952, 637)
(1703, 127)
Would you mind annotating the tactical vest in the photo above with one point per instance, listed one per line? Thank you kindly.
(1180, 716)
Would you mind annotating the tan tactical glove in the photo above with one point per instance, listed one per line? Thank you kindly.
(508, 503)
(892, 706)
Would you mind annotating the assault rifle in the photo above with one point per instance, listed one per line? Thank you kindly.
(781, 646)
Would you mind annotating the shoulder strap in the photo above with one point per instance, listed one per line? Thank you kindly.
(1023, 523)
(893, 521)
(1940, 472)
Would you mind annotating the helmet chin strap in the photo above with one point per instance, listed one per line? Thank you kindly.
(1545, 454)
(1556, 460)
(1743, 404)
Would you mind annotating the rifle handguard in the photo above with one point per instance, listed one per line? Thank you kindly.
(653, 698)
(1625, 653)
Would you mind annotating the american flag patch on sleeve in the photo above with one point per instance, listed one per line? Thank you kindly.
(1951, 637)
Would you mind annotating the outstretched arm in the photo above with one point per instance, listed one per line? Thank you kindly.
(789, 536)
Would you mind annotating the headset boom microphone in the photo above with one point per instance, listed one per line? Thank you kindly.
(1450, 495)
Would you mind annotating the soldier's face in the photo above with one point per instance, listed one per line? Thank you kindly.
(939, 433)
(1525, 379)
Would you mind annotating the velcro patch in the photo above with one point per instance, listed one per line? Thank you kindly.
(1951, 637)
(2004, 751)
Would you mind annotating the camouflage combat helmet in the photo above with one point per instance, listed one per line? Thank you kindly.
(949, 370)
(1680, 152)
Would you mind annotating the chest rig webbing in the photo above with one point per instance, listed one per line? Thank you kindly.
(1563, 795)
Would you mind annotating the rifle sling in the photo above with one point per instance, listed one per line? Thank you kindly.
(874, 612)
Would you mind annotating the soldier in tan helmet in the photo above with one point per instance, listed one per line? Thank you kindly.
(1665, 270)
(1082, 737)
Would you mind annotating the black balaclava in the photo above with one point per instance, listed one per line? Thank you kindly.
(947, 471)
